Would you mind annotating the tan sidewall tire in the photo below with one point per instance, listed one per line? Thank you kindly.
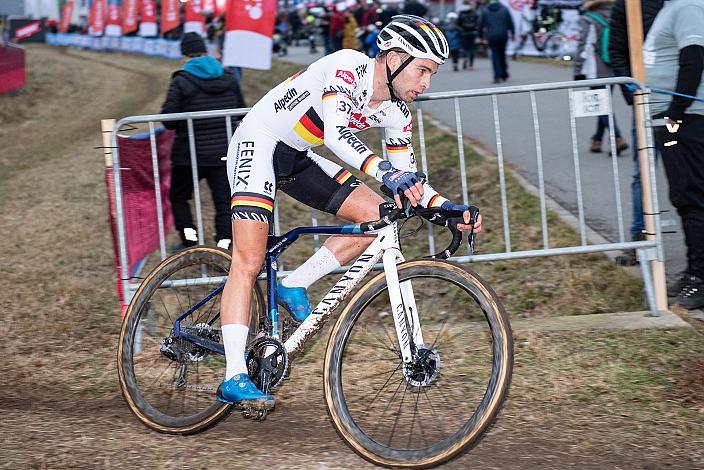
(502, 377)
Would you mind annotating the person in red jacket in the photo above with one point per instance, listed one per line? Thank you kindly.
(337, 26)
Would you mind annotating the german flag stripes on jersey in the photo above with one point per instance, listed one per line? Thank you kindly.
(342, 176)
(436, 201)
(310, 127)
(242, 199)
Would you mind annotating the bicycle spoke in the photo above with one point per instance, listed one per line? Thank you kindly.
(398, 413)
(400, 382)
(383, 386)
(432, 408)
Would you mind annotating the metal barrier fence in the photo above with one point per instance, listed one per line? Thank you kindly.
(649, 250)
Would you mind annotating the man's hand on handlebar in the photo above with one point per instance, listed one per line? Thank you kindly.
(451, 210)
(405, 181)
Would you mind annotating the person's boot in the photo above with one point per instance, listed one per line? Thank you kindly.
(596, 146)
(629, 257)
(691, 295)
(621, 145)
(454, 68)
(674, 286)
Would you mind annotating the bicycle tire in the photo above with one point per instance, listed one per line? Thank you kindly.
(148, 409)
(496, 389)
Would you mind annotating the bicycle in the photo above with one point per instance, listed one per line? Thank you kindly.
(452, 374)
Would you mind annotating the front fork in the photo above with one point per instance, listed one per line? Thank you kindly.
(403, 306)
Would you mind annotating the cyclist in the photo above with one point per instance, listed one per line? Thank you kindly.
(330, 101)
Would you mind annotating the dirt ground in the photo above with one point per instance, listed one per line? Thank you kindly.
(578, 400)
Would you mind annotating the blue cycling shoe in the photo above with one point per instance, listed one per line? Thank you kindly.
(295, 300)
(241, 390)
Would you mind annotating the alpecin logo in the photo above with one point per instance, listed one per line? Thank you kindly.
(358, 121)
(345, 75)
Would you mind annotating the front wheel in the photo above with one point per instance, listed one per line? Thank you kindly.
(421, 414)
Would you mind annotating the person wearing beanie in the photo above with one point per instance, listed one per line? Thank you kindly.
(201, 85)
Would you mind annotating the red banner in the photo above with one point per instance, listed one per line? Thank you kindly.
(113, 14)
(12, 69)
(220, 7)
(29, 30)
(138, 197)
(169, 15)
(207, 6)
(249, 22)
(96, 18)
(129, 16)
(66, 16)
(193, 11)
(148, 11)
(256, 16)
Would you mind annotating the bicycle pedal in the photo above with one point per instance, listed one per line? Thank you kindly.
(254, 414)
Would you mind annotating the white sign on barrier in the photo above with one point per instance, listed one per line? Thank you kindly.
(591, 102)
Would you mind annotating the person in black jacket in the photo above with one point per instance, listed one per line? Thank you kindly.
(496, 20)
(467, 22)
(621, 66)
(201, 85)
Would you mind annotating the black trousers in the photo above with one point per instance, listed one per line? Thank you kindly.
(182, 191)
(683, 156)
(498, 58)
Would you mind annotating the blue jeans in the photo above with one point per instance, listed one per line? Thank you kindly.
(637, 224)
(602, 123)
(237, 72)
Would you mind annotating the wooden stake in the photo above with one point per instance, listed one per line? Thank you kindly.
(635, 45)
(106, 126)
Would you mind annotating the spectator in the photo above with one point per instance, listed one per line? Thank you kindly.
(389, 11)
(496, 20)
(349, 35)
(371, 14)
(467, 23)
(674, 60)
(370, 39)
(621, 66)
(414, 7)
(452, 34)
(337, 26)
(296, 24)
(592, 61)
(324, 25)
(201, 85)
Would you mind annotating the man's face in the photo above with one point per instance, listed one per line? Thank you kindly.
(414, 79)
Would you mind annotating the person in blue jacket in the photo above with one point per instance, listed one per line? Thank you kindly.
(453, 35)
(496, 25)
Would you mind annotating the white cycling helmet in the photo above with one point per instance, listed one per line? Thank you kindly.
(415, 35)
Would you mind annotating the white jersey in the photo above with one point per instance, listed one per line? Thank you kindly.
(327, 103)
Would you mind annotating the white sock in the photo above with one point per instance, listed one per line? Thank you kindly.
(234, 338)
(317, 266)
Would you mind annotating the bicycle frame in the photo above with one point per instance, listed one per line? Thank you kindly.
(385, 247)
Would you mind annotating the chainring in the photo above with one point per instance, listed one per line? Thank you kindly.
(267, 363)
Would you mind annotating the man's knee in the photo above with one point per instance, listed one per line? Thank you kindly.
(246, 264)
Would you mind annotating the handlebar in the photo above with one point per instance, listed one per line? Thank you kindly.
(450, 222)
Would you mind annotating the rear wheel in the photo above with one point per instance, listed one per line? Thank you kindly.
(169, 383)
(421, 414)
